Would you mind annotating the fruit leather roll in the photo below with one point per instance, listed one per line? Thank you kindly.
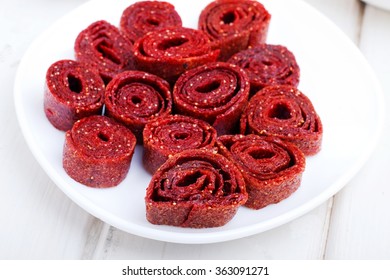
(72, 91)
(268, 65)
(195, 188)
(271, 167)
(284, 112)
(170, 52)
(234, 25)
(135, 98)
(146, 16)
(170, 135)
(104, 48)
(215, 92)
(98, 152)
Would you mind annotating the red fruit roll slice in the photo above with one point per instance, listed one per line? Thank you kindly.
(170, 52)
(168, 136)
(268, 65)
(72, 91)
(135, 98)
(146, 16)
(271, 167)
(234, 25)
(216, 93)
(102, 46)
(284, 112)
(195, 188)
(98, 152)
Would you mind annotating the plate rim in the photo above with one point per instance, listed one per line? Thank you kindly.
(217, 236)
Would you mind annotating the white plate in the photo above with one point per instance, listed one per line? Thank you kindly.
(334, 75)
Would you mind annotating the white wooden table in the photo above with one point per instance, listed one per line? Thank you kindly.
(38, 221)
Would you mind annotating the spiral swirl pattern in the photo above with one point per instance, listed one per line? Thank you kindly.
(98, 151)
(234, 25)
(146, 16)
(284, 112)
(135, 98)
(104, 48)
(195, 188)
(268, 65)
(72, 91)
(272, 168)
(170, 52)
(216, 92)
(173, 134)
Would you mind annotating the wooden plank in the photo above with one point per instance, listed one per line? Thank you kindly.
(299, 239)
(37, 220)
(57, 228)
(360, 226)
(346, 14)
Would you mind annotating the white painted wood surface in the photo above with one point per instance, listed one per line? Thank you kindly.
(39, 222)
(360, 227)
